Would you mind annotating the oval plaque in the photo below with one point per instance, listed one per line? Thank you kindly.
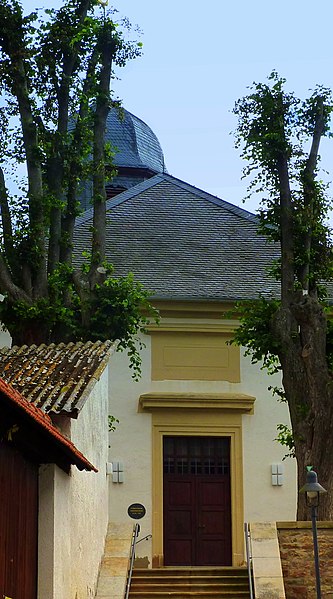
(136, 511)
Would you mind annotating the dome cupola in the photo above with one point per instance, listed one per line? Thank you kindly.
(138, 154)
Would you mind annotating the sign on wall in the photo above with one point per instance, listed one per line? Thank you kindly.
(136, 511)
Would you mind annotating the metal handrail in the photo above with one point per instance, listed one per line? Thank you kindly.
(146, 538)
(136, 530)
(249, 558)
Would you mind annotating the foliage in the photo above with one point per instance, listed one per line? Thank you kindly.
(279, 136)
(113, 421)
(121, 306)
(254, 332)
(275, 126)
(55, 72)
(286, 439)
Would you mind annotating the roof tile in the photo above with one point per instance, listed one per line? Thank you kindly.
(55, 378)
(73, 455)
(182, 243)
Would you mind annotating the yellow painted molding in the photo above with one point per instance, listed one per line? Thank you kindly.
(198, 423)
(213, 309)
(301, 524)
(183, 353)
(193, 327)
(204, 401)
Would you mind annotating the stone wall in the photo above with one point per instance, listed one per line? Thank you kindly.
(296, 550)
(73, 508)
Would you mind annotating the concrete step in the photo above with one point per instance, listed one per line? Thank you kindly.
(189, 583)
(192, 571)
(221, 594)
(209, 590)
(186, 582)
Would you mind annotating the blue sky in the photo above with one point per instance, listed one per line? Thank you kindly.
(199, 57)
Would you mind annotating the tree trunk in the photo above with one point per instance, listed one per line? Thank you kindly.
(321, 459)
(308, 386)
(107, 49)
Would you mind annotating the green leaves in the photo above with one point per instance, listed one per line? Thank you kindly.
(279, 136)
(120, 309)
(55, 71)
(285, 438)
(255, 332)
(275, 129)
(265, 127)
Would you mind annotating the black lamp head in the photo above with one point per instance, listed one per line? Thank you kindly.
(312, 488)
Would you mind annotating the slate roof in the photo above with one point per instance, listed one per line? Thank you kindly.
(35, 416)
(55, 378)
(136, 144)
(183, 243)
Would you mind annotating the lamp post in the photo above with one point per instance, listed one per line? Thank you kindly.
(313, 490)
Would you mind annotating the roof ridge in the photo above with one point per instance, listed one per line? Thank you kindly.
(122, 197)
(158, 178)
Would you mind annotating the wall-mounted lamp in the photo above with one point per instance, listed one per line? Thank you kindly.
(277, 475)
(117, 472)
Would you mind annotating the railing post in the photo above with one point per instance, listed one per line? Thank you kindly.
(135, 535)
(249, 558)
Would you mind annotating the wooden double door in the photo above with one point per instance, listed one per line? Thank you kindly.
(18, 524)
(197, 505)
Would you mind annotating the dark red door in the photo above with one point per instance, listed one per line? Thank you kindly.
(18, 524)
(197, 513)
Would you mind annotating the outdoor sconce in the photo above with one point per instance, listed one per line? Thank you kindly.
(277, 475)
(117, 472)
(313, 490)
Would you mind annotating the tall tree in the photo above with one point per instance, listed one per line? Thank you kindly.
(55, 74)
(293, 333)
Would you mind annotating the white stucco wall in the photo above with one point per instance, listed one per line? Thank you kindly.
(131, 443)
(5, 338)
(262, 501)
(73, 514)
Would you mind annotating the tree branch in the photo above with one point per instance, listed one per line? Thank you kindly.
(68, 221)
(55, 168)
(8, 286)
(6, 223)
(309, 193)
(286, 206)
(12, 41)
(108, 45)
(286, 220)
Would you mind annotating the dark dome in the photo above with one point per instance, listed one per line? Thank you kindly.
(138, 154)
(135, 143)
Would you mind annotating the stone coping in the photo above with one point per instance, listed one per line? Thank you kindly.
(301, 524)
(114, 567)
(171, 400)
(266, 563)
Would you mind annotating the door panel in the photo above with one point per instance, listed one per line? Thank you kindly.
(213, 542)
(197, 516)
(18, 524)
(179, 517)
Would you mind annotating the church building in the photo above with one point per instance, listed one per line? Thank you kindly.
(196, 439)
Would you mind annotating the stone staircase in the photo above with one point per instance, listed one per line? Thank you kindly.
(190, 582)
(114, 567)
